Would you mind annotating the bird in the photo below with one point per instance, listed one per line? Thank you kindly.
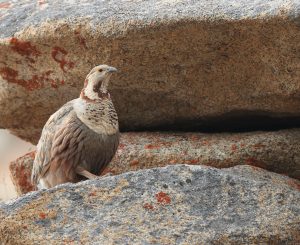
(80, 138)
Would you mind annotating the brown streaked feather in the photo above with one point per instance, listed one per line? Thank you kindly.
(42, 157)
(66, 148)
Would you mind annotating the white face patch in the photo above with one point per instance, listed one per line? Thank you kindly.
(97, 81)
(89, 92)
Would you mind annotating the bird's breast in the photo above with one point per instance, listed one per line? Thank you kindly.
(100, 117)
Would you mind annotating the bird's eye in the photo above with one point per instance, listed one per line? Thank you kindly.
(100, 70)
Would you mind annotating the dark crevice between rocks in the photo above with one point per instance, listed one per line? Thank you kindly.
(231, 122)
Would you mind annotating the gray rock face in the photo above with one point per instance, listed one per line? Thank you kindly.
(275, 151)
(171, 205)
(180, 61)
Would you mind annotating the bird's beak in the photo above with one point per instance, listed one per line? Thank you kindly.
(111, 69)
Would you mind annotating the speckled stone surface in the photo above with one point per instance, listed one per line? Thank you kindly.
(172, 205)
(276, 151)
(20, 173)
(179, 61)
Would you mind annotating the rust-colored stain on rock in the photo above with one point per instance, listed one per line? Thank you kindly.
(59, 55)
(41, 2)
(4, 5)
(93, 193)
(294, 183)
(192, 161)
(233, 147)
(10, 75)
(148, 206)
(80, 39)
(121, 146)
(108, 171)
(258, 146)
(134, 162)
(163, 198)
(31, 154)
(172, 161)
(24, 48)
(36, 81)
(150, 147)
(23, 177)
(254, 162)
(42, 215)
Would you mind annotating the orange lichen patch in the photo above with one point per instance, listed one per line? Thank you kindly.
(23, 178)
(233, 148)
(80, 39)
(30, 154)
(172, 161)
(134, 162)
(163, 198)
(195, 138)
(41, 2)
(150, 147)
(192, 161)
(42, 215)
(258, 146)
(24, 48)
(294, 183)
(36, 82)
(59, 55)
(148, 206)
(4, 5)
(11, 76)
(8, 73)
(108, 170)
(205, 142)
(55, 83)
(93, 193)
(166, 144)
(68, 241)
(254, 162)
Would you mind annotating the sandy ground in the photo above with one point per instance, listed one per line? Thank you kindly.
(11, 147)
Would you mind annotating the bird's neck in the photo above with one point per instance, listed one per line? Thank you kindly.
(89, 93)
(93, 97)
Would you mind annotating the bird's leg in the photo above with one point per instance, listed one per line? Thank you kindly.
(85, 173)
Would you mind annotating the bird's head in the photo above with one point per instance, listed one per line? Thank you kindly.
(96, 81)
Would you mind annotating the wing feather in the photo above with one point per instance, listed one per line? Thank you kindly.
(43, 152)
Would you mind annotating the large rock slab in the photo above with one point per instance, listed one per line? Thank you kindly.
(180, 62)
(171, 205)
(276, 151)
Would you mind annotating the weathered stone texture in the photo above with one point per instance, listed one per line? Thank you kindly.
(21, 173)
(180, 61)
(276, 151)
(172, 205)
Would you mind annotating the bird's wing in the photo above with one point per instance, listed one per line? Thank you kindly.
(67, 146)
(43, 153)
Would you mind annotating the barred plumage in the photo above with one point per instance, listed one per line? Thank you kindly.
(81, 138)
